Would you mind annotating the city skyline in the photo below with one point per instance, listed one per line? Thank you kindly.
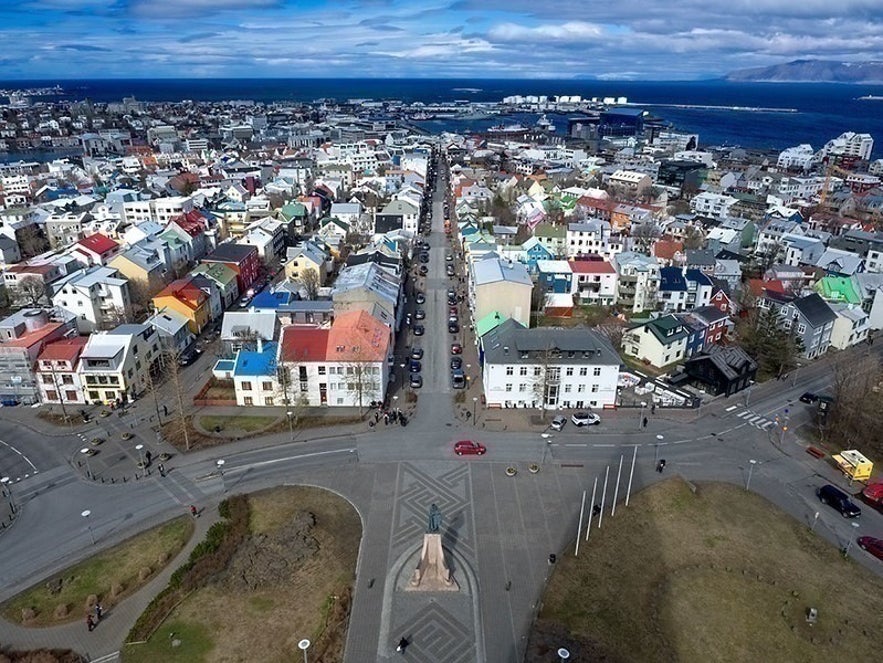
(68, 39)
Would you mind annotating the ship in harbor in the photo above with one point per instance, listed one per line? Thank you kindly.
(508, 129)
(545, 124)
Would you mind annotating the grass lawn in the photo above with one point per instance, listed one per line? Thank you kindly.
(309, 599)
(244, 423)
(111, 576)
(721, 575)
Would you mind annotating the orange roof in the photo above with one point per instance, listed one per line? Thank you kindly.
(184, 291)
(304, 343)
(591, 267)
(357, 336)
(666, 249)
(758, 286)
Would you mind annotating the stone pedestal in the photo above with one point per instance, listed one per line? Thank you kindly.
(432, 573)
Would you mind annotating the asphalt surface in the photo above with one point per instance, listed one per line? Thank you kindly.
(498, 530)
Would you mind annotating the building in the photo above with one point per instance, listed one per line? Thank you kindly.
(23, 335)
(722, 370)
(495, 285)
(242, 259)
(173, 329)
(630, 182)
(56, 371)
(97, 249)
(548, 367)
(713, 205)
(114, 365)
(638, 281)
(849, 144)
(594, 282)
(658, 342)
(801, 157)
(850, 327)
(809, 318)
(224, 278)
(555, 277)
(305, 257)
(97, 296)
(186, 298)
(146, 265)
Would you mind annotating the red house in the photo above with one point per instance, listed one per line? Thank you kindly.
(96, 249)
(242, 259)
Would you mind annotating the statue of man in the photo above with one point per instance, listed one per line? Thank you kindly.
(435, 519)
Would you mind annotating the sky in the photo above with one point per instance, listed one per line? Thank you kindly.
(606, 39)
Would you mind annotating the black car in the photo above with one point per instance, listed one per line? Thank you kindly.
(416, 381)
(415, 366)
(420, 298)
(423, 270)
(837, 499)
(424, 257)
(456, 363)
(453, 327)
(416, 353)
(808, 397)
(419, 330)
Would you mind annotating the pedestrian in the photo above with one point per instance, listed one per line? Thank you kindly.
(403, 644)
(194, 512)
(653, 409)
(98, 611)
(90, 623)
(661, 466)
(148, 456)
(645, 422)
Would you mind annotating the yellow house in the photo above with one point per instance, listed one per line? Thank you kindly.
(183, 297)
(144, 268)
(305, 257)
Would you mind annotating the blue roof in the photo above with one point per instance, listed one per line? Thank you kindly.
(272, 300)
(225, 365)
(250, 363)
(699, 277)
(671, 279)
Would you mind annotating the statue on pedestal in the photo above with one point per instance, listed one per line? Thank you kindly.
(432, 573)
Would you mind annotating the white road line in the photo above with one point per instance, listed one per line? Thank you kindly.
(228, 470)
(24, 458)
(732, 407)
(604, 445)
(753, 420)
(744, 414)
(767, 425)
(581, 444)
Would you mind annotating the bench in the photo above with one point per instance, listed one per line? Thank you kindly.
(815, 452)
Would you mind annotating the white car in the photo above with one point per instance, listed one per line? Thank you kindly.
(558, 422)
(585, 419)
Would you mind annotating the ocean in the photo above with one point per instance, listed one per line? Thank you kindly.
(824, 110)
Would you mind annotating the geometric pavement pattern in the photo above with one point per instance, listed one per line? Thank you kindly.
(436, 635)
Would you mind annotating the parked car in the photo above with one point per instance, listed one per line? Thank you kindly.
(449, 257)
(453, 327)
(415, 366)
(808, 397)
(872, 545)
(408, 319)
(452, 310)
(585, 419)
(452, 292)
(420, 298)
(456, 362)
(416, 353)
(187, 358)
(419, 330)
(558, 422)
(245, 301)
(838, 500)
(450, 270)
(416, 381)
(469, 448)
(456, 349)
(458, 379)
(423, 270)
(419, 314)
(424, 257)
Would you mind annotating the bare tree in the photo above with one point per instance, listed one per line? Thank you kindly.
(31, 241)
(363, 381)
(644, 235)
(29, 291)
(116, 316)
(545, 377)
(171, 359)
(309, 279)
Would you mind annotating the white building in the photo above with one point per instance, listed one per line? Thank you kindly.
(97, 296)
(801, 157)
(850, 327)
(849, 144)
(638, 281)
(548, 367)
(114, 365)
(160, 210)
(712, 204)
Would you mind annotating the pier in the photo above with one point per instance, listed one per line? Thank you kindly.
(746, 109)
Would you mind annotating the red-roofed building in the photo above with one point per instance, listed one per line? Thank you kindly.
(594, 281)
(345, 365)
(669, 253)
(96, 249)
(56, 371)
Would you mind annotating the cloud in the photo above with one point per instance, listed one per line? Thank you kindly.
(572, 31)
(186, 8)
(83, 48)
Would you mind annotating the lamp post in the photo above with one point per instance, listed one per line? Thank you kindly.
(86, 451)
(641, 418)
(659, 438)
(784, 426)
(138, 448)
(303, 645)
(563, 654)
(7, 492)
(220, 466)
(474, 403)
(751, 464)
(86, 515)
(403, 364)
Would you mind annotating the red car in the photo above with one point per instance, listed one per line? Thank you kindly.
(456, 349)
(872, 545)
(469, 448)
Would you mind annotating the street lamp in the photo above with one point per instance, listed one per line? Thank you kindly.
(563, 654)
(751, 464)
(220, 465)
(641, 418)
(7, 491)
(86, 515)
(86, 451)
(303, 645)
(659, 438)
(474, 402)
(403, 364)
(138, 448)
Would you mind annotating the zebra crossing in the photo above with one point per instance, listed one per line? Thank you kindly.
(756, 420)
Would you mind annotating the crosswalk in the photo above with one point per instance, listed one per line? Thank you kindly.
(756, 420)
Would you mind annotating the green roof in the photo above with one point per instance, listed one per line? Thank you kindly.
(838, 289)
(489, 322)
(293, 211)
(217, 271)
(548, 230)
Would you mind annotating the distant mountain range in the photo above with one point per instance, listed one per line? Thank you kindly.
(812, 71)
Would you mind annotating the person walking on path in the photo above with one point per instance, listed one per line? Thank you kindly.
(162, 470)
(644, 422)
(90, 623)
(403, 644)
(653, 408)
(98, 611)
(193, 511)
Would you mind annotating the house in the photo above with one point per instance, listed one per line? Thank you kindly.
(555, 277)
(397, 215)
(114, 365)
(97, 296)
(9, 251)
(255, 377)
(307, 256)
(245, 329)
(638, 281)
(728, 272)
(186, 298)
(850, 327)
(594, 282)
(173, 330)
(548, 367)
(145, 265)
(242, 259)
(658, 342)
(495, 285)
(28, 284)
(553, 238)
(224, 278)
(23, 335)
(809, 317)
(96, 249)
(714, 323)
(56, 371)
(722, 370)
(370, 288)
(268, 236)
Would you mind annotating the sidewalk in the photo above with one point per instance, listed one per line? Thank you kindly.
(110, 634)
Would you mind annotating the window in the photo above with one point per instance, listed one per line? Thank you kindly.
(268, 400)
(94, 395)
(47, 379)
(594, 389)
(801, 329)
(508, 386)
(596, 372)
(536, 371)
(321, 370)
(567, 389)
(248, 400)
(67, 379)
(568, 371)
(246, 386)
(522, 370)
(510, 370)
(522, 387)
(583, 372)
(51, 395)
(304, 387)
(267, 386)
(581, 388)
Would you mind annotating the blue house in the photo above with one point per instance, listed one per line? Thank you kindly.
(534, 252)
(555, 276)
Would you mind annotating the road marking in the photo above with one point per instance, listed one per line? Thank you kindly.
(580, 444)
(605, 445)
(228, 470)
(732, 407)
(767, 425)
(24, 458)
(107, 658)
(743, 414)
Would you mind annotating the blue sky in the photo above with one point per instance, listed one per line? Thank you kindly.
(612, 39)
